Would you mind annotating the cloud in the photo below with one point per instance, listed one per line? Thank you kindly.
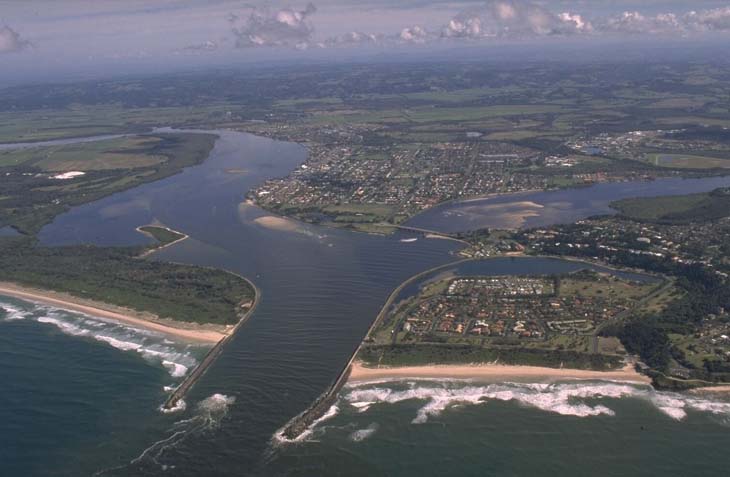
(717, 19)
(712, 20)
(513, 19)
(10, 41)
(209, 45)
(493, 20)
(414, 34)
(286, 27)
(636, 23)
(352, 38)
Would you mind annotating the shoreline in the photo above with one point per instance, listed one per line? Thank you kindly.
(361, 374)
(147, 321)
(159, 247)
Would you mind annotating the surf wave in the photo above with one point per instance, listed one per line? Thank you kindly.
(10, 312)
(176, 358)
(568, 399)
(362, 434)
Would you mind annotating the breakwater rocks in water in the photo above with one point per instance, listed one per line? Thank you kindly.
(298, 426)
(179, 393)
(173, 402)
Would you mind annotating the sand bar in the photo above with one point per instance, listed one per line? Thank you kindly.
(276, 223)
(491, 372)
(148, 321)
(712, 389)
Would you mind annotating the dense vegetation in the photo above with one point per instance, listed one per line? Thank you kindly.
(116, 276)
(683, 340)
(677, 209)
(405, 355)
(163, 235)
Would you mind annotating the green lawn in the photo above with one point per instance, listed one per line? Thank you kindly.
(120, 153)
(687, 161)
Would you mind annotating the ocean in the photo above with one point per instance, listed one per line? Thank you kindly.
(417, 428)
(82, 397)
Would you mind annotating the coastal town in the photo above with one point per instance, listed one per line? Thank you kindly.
(369, 184)
(353, 180)
(611, 239)
(685, 332)
(480, 311)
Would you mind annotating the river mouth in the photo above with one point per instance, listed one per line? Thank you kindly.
(321, 289)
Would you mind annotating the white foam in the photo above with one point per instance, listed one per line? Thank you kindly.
(362, 434)
(123, 338)
(568, 399)
(63, 326)
(670, 405)
(179, 406)
(13, 313)
(282, 439)
(118, 344)
(177, 370)
(176, 363)
(362, 406)
(712, 407)
(216, 403)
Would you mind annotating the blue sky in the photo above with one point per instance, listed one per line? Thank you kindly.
(46, 35)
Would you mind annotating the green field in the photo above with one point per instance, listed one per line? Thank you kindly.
(121, 153)
(100, 119)
(687, 161)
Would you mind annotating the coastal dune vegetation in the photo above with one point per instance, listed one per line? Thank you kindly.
(32, 194)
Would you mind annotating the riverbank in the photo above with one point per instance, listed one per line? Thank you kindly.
(363, 374)
(187, 331)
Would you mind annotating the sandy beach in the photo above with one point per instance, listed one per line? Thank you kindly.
(148, 321)
(724, 388)
(361, 373)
